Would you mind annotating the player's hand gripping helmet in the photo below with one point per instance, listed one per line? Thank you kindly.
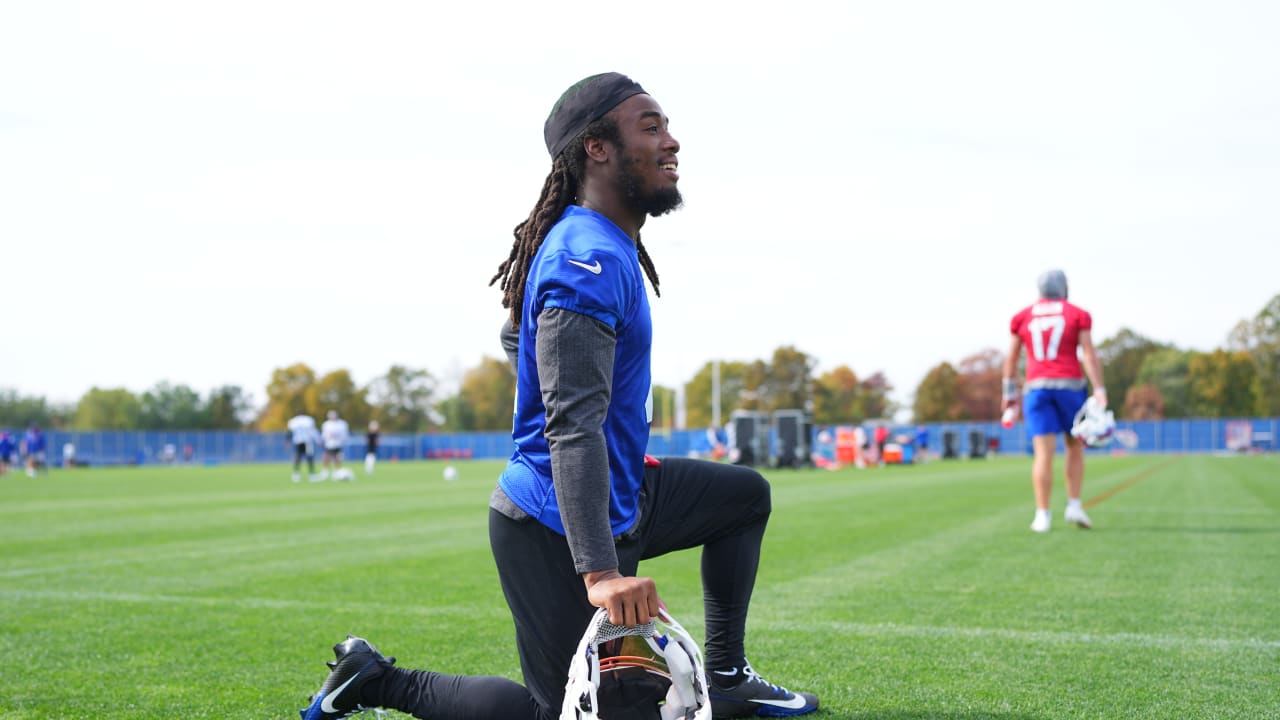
(645, 672)
(1094, 424)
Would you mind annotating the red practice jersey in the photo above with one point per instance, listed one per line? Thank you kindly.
(1051, 331)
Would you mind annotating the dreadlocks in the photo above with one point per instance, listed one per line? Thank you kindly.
(559, 190)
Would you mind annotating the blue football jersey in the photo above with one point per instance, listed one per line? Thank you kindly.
(586, 265)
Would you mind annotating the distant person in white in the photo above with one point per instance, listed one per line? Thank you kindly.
(303, 435)
(335, 432)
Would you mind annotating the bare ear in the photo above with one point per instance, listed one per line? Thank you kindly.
(597, 148)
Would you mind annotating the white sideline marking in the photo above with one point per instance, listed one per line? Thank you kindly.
(1031, 636)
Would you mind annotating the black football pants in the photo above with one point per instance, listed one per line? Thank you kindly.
(686, 503)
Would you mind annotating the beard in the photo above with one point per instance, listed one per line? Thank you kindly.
(653, 202)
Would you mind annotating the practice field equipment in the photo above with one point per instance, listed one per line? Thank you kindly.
(643, 672)
(1094, 424)
(950, 445)
(978, 444)
(749, 438)
(794, 430)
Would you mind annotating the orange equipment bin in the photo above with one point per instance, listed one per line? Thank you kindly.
(892, 453)
(846, 446)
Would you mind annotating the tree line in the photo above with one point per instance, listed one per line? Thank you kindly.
(1146, 379)
(163, 407)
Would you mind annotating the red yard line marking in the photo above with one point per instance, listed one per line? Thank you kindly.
(1128, 483)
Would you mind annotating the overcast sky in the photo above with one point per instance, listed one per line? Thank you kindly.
(202, 192)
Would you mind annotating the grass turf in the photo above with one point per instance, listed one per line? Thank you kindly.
(896, 594)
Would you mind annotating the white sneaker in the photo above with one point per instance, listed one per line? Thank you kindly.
(1040, 523)
(1077, 517)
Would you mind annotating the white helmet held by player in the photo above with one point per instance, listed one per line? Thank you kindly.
(1094, 424)
(646, 672)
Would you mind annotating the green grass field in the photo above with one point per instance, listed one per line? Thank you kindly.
(896, 593)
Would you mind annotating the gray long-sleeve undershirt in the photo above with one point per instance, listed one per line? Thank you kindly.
(575, 371)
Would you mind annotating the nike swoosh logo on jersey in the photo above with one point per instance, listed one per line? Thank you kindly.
(326, 704)
(795, 702)
(593, 269)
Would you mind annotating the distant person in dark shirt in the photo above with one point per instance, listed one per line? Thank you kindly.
(371, 447)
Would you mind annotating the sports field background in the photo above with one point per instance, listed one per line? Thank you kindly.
(896, 593)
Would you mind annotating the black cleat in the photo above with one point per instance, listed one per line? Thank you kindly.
(742, 693)
(357, 662)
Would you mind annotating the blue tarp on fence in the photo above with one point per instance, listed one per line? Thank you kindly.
(1152, 436)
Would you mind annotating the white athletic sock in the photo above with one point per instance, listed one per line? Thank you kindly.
(369, 460)
(1042, 514)
(1073, 503)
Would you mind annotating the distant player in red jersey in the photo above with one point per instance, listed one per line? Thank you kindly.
(1052, 330)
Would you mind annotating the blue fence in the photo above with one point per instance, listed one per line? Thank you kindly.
(211, 448)
(205, 447)
(1153, 436)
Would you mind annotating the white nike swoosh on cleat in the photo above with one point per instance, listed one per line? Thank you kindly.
(794, 703)
(727, 673)
(327, 703)
(593, 269)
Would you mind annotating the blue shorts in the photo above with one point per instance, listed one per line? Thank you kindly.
(1049, 412)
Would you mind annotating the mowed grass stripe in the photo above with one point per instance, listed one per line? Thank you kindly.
(1034, 637)
(179, 509)
(879, 630)
(1146, 472)
(451, 612)
(984, 557)
(315, 544)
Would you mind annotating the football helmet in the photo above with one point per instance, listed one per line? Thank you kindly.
(1094, 424)
(1052, 285)
(645, 672)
